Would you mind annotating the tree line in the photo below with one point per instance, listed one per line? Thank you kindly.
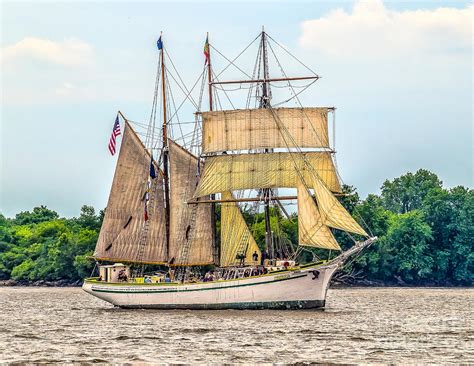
(426, 236)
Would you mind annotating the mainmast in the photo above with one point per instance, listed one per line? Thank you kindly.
(165, 150)
(207, 52)
(265, 103)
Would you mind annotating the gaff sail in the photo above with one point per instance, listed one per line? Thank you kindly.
(191, 236)
(122, 231)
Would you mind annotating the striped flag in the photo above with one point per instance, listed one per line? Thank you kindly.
(206, 50)
(113, 138)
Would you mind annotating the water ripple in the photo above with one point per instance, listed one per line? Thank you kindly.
(400, 326)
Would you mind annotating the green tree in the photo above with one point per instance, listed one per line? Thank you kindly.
(407, 192)
(373, 214)
(408, 238)
(88, 218)
(441, 210)
(462, 253)
(39, 214)
(375, 262)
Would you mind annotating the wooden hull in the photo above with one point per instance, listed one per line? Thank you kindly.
(295, 289)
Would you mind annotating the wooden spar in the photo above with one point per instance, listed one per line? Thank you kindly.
(165, 152)
(216, 250)
(198, 113)
(254, 199)
(250, 199)
(264, 80)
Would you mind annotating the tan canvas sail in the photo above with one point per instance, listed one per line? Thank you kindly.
(311, 229)
(249, 129)
(122, 230)
(236, 237)
(332, 212)
(273, 170)
(191, 236)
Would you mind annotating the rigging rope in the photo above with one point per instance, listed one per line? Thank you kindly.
(233, 61)
(225, 93)
(288, 52)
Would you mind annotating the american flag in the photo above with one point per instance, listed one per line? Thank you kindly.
(113, 139)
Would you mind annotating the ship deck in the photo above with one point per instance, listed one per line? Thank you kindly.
(134, 282)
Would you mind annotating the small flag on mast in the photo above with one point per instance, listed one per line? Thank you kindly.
(145, 216)
(113, 138)
(152, 169)
(147, 198)
(206, 50)
(159, 43)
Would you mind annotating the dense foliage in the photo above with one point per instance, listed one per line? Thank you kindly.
(39, 245)
(425, 235)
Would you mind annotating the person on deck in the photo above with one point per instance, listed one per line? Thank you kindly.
(255, 257)
(241, 258)
(212, 277)
(122, 276)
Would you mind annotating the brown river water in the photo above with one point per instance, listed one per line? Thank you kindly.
(361, 325)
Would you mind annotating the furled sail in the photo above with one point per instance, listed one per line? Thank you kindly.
(332, 212)
(273, 170)
(249, 129)
(311, 229)
(123, 229)
(191, 236)
(236, 237)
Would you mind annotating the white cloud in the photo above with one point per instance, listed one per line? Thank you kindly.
(65, 89)
(372, 30)
(398, 78)
(70, 52)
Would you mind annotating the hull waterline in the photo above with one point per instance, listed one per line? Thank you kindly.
(294, 289)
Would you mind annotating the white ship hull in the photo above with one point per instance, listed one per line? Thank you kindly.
(294, 289)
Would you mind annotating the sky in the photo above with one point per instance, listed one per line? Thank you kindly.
(399, 73)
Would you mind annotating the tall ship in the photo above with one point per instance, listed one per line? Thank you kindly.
(177, 231)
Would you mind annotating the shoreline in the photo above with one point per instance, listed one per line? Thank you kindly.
(334, 285)
(42, 283)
